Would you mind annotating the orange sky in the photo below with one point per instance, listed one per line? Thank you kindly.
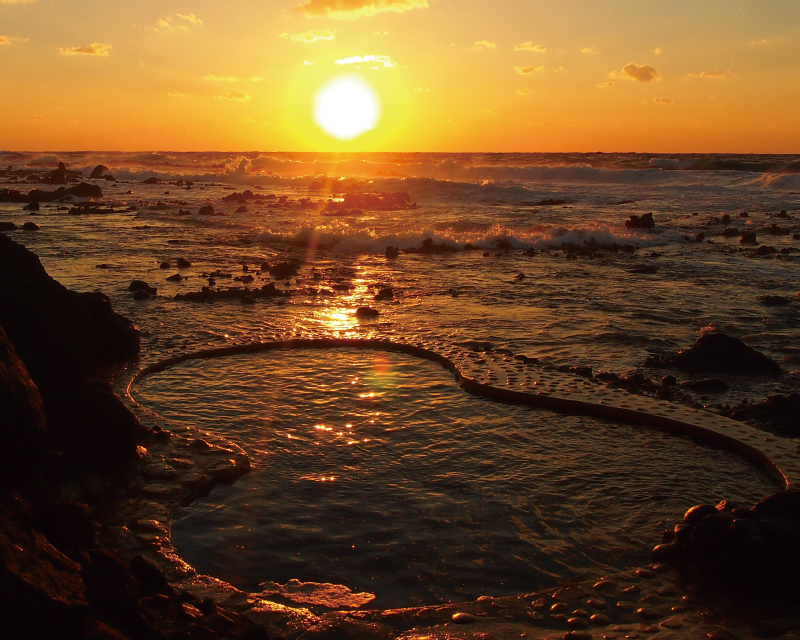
(450, 75)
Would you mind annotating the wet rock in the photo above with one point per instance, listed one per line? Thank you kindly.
(385, 293)
(641, 222)
(283, 270)
(463, 618)
(206, 210)
(242, 209)
(706, 385)
(164, 265)
(30, 226)
(777, 230)
(177, 277)
(749, 238)
(210, 295)
(781, 413)
(647, 269)
(392, 252)
(98, 171)
(152, 180)
(141, 285)
(730, 232)
(32, 206)
(69, 525)
(367, 312)
(183, 263)
(718, 352)
(7, 226)
(774, 301)
(766, 250)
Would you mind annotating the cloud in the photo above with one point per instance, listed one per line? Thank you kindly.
(590, 51)
(386, 61)
(9, 40)
(236, 95)
(214, 78)
(492, 112)
(353, 9)
(94, 49)
(662, 100)
(419, 89)
(529, 46)
(605, 85)
(184, 23)
(714, 75)
(175, 94)
(483, 45)
(658, 51)
(767, 41)
(17, 1)
(524, 92)
(644, 73)
(311, 36)
(525, 71)
(307, 63)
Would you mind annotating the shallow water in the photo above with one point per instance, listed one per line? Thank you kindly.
(376, 471)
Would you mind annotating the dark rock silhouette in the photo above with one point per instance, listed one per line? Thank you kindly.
(98, 171)
(720, 353)
(641, 222)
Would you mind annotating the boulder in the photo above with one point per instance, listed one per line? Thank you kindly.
(183, 263)
(141, 285)
(206, 210)
(749, 238)
(30, 226)
(640, 222)
(152, 180)
(57, 176)
(7, 226)
(85, 190)
(719, 353)
(392, 252)
(367, 312)
(32, 206)
(98, 171)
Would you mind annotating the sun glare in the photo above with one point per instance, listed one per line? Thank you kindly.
(346, 107)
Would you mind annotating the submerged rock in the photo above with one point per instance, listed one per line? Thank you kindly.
(367, 312)
(720, 353)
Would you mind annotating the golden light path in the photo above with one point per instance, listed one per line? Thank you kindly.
(346, 107)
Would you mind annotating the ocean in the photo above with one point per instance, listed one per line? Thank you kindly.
(431, 495)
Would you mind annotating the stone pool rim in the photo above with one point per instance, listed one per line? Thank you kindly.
(695, 424)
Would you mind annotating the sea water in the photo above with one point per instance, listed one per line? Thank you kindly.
(516, 516)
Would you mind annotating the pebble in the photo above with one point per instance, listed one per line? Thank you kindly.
(671, 623)
(600, 620)
(645, 573)
(463, 618)
(632, 589)
(652, 598)
(559, 606)
(721, 634)
(581, 612)
(627, 606)
(603, 584)
(596, 604)
(577, 635)
(650, 629)
(559, 616)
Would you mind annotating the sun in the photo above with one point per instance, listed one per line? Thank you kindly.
(346, 107)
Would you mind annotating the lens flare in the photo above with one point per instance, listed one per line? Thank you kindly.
(346, 108)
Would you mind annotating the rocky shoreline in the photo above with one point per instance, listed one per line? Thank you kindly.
(87, 492)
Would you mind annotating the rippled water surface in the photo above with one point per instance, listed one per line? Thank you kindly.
(377, 471)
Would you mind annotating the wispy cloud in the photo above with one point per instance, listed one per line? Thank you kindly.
(483, 45)
(590, 51)
(9, 40)
(663, 100)
(529, 46)
(767, 41)
(658, 51)
(175, 94)
(214, 78)
(708, 75)
(526, 71)
(605, 85)
(94, 49)
(353, 9)
(524, 92)
(181, 22)
(491, 112)
(311, 36)
(386, 61)
(17, 1)
(235, 95)
(643, 73)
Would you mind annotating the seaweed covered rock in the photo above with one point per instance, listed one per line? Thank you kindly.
(719, 353)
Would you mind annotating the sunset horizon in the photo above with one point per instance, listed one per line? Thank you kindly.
(523, 77)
